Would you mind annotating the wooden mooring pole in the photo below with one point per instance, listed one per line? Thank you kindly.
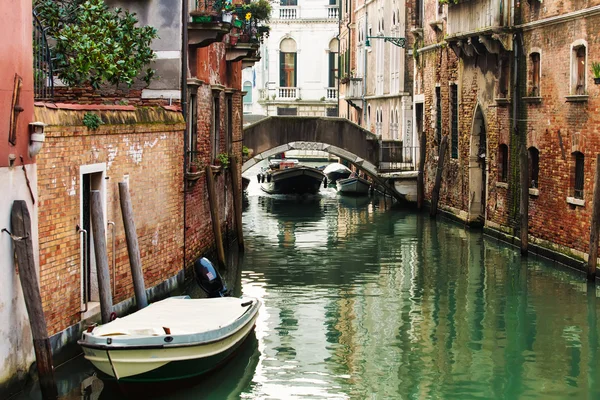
(524, 209)
(21, 230)
(435, 196)
(421, 173)
(133, 248)
(99, 234)
(214, 215)
(593, 253)
(237, 201)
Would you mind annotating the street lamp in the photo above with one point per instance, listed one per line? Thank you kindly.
(396, 41)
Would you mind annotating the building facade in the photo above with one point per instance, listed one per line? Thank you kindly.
(501, 79)
(297, 72)
(16, 168)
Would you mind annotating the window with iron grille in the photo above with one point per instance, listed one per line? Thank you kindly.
(287, 111)
(503, 163)
(454, 120)
(534, 166)
(438, 114)
(332, 111)
(579, 162)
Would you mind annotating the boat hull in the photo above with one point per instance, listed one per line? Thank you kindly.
(162, 363)
(297, 180)
(333, 177)
(353, 186)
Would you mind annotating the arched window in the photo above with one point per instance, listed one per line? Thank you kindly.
(534, 166)
(578, 175)
(333, 62)
(578, 67)
(247, 87)
(287, 63)
(503, 163)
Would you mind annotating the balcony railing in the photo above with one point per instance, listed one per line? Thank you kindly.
(43, 81)
(288, 93)
(332, 93)
(289, 12)
(263, 94)
(332, 12)
(207, 7)
(395, 157)
(477, 15)
(356, 88)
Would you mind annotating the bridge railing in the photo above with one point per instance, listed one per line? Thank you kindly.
(395, 156)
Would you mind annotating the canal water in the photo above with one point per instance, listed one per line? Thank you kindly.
(367, 300)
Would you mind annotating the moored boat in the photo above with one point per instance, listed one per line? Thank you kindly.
(353, 185)
(173, 339)
(290, 178)
(336, 171)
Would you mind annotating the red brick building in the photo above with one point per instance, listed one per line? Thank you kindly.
(499, 76)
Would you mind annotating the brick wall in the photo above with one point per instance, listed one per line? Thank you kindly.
(149, 151)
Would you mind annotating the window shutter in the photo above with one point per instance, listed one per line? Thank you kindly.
(295, 69)
(281, 69)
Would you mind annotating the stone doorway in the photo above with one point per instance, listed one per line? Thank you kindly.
(477, 169)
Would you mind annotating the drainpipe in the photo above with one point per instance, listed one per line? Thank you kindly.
(364, 101)
(184, 66)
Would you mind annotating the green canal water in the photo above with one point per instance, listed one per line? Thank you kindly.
(364, 300)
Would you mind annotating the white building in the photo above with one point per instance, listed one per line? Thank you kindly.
(297, 73)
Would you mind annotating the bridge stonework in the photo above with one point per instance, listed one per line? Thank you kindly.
(337, 136)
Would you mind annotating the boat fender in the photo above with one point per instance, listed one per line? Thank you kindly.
(258, 178)
(268, 178)
(113, 316)
(246, 304)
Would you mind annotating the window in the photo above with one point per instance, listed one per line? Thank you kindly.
(503, 163)
(287, 111)
(248, 89)
(333, 62)
(578, 69)
(332, 111)
(438, 114)
(454, 120)
(534, 75)
(369, 118)
(216, 125)
(534, 166)
(503, 83)
(419, 13)
(287, 63)
(579, 171)
(289, 2)
(229, 120)
(192, 128)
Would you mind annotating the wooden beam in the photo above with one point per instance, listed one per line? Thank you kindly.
(524, 209)
(21, 229)
(214, 216)
(435, 196)
(237, 200)
(593, 252)
(99, 235)
(133, 248)
(421, 174)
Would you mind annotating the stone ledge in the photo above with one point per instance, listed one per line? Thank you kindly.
(579, 98)
(502, 185)
(532, 99)
(534, 192)
(576, 202)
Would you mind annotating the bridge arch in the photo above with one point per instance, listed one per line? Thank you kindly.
(337, 136)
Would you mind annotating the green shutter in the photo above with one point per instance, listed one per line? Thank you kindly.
(281, 69)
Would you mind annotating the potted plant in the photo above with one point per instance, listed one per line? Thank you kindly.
(596, 72)
(222, 159)
(196, 165)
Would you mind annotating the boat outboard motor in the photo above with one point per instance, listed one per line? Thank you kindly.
(209, 279)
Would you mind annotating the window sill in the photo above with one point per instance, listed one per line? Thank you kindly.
(502, 185)
(576, 202)
(577, 98)
(502, 101)
(532, 99)
(534, 192)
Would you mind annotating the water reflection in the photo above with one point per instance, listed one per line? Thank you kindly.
(362, 300)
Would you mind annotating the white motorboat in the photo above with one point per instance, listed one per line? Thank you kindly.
(353, 185)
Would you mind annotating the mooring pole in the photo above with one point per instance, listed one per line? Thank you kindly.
(435, 196)
(593, 253)
(237, 201)
(214, 215)
(524, 209)
(133, 248)
(21, 229)
(421, 173)
(99, 234)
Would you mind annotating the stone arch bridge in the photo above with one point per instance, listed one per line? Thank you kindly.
(337, 136)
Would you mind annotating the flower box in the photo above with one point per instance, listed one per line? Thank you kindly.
(202, 19)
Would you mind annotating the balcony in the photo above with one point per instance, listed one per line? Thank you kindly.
(332, 93)
(206, 24)
(355, 90)
(395, 156)
(332, 12)
(288, 93)
(477, 15)
(289, 12)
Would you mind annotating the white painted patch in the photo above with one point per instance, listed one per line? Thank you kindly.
(155, 236)
(112, 154)
(151, 145)
(163, 136)
(135, 152)
(71, 191)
